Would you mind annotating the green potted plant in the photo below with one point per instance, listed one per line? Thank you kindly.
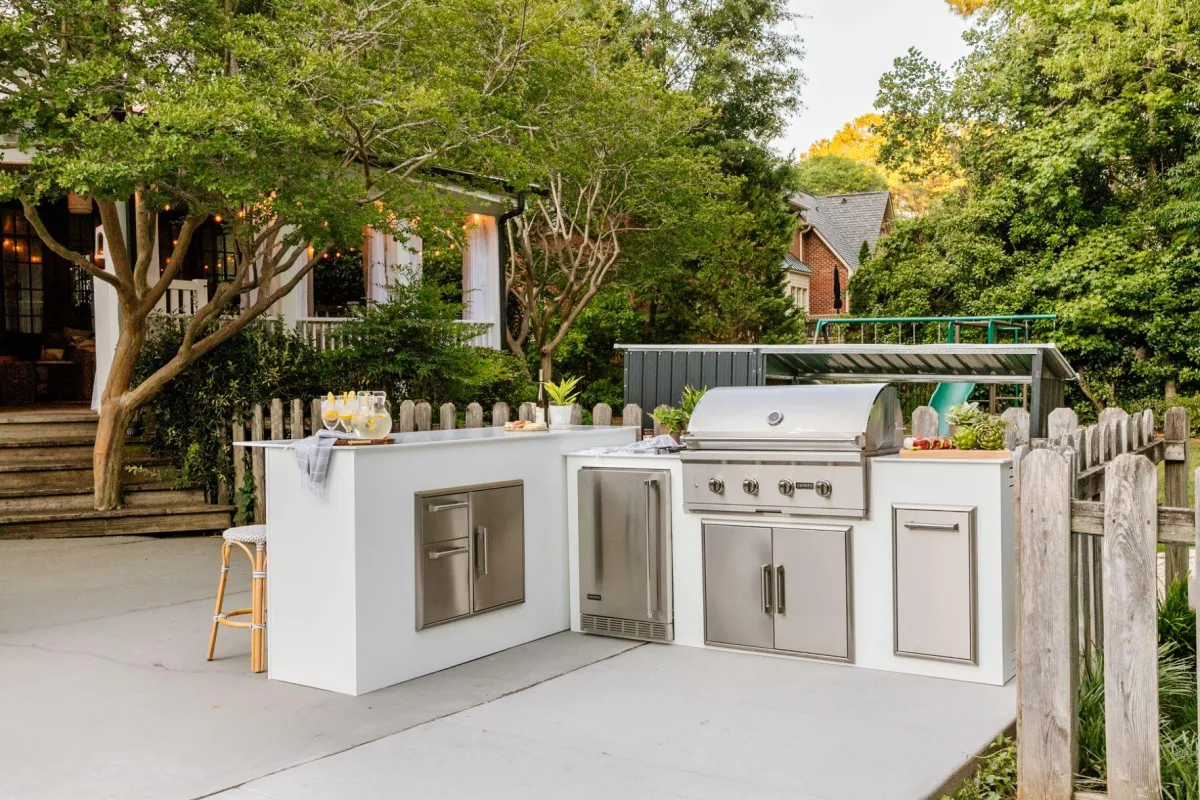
(563, 395)
(676, 419)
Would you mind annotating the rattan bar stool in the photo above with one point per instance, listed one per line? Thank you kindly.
(243, 536)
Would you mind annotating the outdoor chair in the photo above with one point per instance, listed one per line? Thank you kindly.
(243, 536)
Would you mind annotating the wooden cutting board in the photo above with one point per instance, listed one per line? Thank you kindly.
(952, 454)
(363, 442)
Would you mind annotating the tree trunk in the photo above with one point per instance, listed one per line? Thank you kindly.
(545, 362)
(108, 455)
(1169, 389)
(116, 413)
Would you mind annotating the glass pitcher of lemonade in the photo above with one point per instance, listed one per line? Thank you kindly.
(371, 419)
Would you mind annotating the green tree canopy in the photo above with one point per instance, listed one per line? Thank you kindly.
(821, 175)
(1075, 127)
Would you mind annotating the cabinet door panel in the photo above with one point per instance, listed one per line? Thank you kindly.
(445, 581)
(812, 608)
(737, 571)
(498, 546)
(933, 558)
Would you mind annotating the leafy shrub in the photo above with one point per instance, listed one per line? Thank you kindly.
(415, 347)
(263, 361)
(1160, 405)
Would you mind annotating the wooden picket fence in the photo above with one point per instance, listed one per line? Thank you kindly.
(1088, 529)
(295, 419)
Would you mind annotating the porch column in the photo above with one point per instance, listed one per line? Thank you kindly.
(106, 312)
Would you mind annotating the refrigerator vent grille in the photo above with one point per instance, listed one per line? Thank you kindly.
(627, 628)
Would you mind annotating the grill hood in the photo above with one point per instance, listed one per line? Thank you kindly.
(859, 417)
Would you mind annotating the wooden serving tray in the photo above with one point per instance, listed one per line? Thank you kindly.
(363, 442)
(952, 454)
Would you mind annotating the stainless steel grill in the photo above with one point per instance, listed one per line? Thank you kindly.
(788, 449)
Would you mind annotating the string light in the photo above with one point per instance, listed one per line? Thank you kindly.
(217, 218)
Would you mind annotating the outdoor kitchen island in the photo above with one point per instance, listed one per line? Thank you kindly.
(436, 550)
(791, 527)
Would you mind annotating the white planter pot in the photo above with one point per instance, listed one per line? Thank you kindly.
(560, 415)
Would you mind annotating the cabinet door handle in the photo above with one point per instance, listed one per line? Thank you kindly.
(436, 554)
(436, 507)
(931, 526)
(651, 541)
(780, 592)
(766, 589)
(481, 546)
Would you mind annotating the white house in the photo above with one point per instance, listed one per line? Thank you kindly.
(48, 305)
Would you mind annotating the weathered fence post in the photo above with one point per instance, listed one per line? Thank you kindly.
(239, 458)
(1016, 433)
(500, 414)
(316, 424)
(423, 416)
(602, 414)
(276, 418)
(406, 417)
(631, 416)
(1062, 422)
(1047, 665)
(1176, 451)
(474, 416)
(527, 412)
(1131, 631)
(297, 418)
(258, 467)
(447, 417)
(924, 422)
(576, 414)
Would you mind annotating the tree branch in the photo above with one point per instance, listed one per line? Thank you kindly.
(61, 250)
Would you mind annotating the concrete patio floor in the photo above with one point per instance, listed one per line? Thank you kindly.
(105, 693)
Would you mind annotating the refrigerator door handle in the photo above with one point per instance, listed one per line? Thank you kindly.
(651, 541)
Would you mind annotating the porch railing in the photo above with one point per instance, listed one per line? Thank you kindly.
(184, 297)
(322, 333)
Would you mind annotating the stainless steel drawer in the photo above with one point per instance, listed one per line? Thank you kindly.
(933, 582)
(444, 517)
(445, 591)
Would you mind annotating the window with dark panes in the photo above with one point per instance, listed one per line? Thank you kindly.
(21, 265)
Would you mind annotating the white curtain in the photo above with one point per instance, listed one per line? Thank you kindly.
(392, 258)
(481, 276)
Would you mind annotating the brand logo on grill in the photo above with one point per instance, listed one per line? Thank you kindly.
(593, 596)
(804, 485)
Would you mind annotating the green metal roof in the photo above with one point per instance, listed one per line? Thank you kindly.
(978, 363)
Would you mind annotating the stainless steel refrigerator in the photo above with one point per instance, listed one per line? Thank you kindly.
(625, 553)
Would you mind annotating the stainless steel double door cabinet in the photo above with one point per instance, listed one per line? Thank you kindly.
(783, 589)
(470, 551)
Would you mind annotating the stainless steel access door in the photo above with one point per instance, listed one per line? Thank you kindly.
(812, 591)
(497, 521)
(739, 596)
(933, 580)
(625, 544)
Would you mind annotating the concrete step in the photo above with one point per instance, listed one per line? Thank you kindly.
(122, 522)
(44, 500)
(78, 473)
(66, 450)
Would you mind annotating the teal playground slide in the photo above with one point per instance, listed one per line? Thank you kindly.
(945, 396)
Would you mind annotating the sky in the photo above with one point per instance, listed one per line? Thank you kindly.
(849, 44)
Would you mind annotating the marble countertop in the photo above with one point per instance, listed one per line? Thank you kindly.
(458, 436)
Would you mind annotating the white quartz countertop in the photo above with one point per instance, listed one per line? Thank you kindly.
(459, 436)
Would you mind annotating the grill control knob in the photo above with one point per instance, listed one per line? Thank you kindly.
(716, 485)
(824, 488)
(787, 487)
(750, 486)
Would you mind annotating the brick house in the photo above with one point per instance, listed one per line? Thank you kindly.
(830, 233)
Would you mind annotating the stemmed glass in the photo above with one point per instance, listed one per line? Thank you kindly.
(346, 405)
(329, 412)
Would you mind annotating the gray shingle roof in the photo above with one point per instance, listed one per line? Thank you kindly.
(792, 263)
(846, 220)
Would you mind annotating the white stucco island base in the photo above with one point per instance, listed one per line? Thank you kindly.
(341, 587)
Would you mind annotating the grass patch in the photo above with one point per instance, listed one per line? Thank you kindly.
(1193, 464)
(996, 778)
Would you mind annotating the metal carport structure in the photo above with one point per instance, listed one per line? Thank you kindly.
(656, 374)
